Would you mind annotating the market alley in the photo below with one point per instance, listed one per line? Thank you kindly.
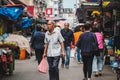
(27, 70)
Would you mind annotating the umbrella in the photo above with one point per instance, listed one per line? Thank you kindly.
(21, 41)
(61, 23)
(95, 12)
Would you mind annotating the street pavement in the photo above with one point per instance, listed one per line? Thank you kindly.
(27, 70)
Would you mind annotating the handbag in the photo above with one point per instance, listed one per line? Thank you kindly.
(42, 67)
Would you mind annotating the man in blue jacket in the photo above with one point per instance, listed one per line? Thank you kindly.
(37, 43)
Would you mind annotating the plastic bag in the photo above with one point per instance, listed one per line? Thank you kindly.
(43, 66)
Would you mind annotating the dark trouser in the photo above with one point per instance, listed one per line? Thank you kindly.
(87, 66)
(39, 54)
(53, 63)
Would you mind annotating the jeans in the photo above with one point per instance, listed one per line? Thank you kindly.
(66, 60)
(98, 63)
(79, 57)
(53, 63)
(87, 66)
(39, 53)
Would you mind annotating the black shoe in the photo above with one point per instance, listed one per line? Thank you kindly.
(100, 74)
(96, 75)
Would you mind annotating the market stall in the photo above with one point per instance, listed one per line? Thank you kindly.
(22, 43)
(7, 61)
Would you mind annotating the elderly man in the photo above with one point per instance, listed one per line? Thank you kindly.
(53, 46)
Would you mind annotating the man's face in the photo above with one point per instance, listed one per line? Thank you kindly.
(50, 25)
(66, 25)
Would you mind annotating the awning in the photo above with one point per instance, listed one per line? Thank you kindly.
(105, 3)
(12, 12)
(57, 18)
(113, 5)
(17, 2)
(90, 4)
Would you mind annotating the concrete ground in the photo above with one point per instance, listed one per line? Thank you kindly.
(27, 70)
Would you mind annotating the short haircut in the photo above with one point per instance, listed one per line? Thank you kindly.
(52, 22)
(87, 26)
(77, 28)
(67, 24)
(38, 28)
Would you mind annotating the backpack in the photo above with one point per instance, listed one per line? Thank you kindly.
(99, 40)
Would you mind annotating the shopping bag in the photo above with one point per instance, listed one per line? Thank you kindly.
(43, 66)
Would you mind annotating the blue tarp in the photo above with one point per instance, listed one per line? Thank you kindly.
(94, 0)
(12, 12)
(26, 22)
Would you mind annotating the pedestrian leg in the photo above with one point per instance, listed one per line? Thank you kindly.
(85, 66)
(55, 67)
(67, 57)
(89, 65)
(36, 54)
(78, 54)
(51, 72)
(63, 61)
(100, 63)
(95, 66)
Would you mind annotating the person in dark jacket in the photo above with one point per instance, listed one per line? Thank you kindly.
(85, 43)
(69, 38)
(37, 43)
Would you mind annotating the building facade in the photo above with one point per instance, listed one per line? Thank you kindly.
(56, 5)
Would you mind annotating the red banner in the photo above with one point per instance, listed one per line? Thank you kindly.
(48, 11)
(30, 9)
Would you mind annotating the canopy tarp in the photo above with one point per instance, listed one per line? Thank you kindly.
(12, 12)
(113, 5)
(57, 18)
(105, 3)
(26, 22)
(21, 41)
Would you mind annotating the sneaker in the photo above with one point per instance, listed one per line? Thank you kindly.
(100, 74)
(62, 65)
(81, 62)
(89, 78)
(96, 74)
(78, 62)
(67, 67)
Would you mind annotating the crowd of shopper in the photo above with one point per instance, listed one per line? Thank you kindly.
(57, 43)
